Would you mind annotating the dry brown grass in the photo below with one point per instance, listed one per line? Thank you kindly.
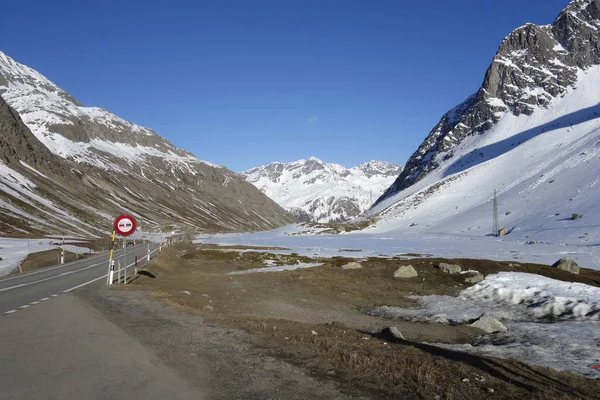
(279, 311)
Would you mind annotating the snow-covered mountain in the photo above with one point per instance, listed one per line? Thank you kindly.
(314, 190)
(532, 132)
(69, 168)
(533, 66)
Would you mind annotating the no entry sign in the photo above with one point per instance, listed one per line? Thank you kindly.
(125, 225)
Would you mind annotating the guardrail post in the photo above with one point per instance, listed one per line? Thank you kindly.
(136, 265)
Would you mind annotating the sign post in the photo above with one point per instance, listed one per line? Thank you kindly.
(125, 225)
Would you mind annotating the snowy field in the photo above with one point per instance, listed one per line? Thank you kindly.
(550, 323)
(13, 251)
(307, 241)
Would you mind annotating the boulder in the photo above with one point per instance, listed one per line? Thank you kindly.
(566, 264)
(449, 268)
(405, 271)
(503, 232)
(488, 324)
(474, 277)
(395, 332)
(352, 265)
(576, 216)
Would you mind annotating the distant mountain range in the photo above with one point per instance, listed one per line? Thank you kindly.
(313, 190)
(69, 168)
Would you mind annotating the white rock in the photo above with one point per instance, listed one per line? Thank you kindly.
(352, 265)
(488, 324)
(405, 271)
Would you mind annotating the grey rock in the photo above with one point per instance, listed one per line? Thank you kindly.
(576, 216)
(352, 265)
(503, 232)
(566, 264)
(449, 268)
(395, 332)
(488, 324)
(405, 271)
(474, 277)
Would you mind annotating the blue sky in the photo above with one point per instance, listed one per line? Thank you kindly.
(243, 83)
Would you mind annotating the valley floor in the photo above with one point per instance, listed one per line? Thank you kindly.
(312, 319)
(312, 241)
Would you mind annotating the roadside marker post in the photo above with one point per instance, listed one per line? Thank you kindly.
(111, 262)
(62, 251)
(111, 274)
(136, 265)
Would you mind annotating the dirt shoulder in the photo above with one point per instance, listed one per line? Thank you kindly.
(312, 319)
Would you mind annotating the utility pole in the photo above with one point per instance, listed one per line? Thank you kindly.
(496, 223)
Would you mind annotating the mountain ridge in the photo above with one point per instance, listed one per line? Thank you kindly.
(533, 65)
(314, 190)
(75, 156)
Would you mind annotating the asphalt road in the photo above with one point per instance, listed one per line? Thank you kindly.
(64, 349)
(26, 290)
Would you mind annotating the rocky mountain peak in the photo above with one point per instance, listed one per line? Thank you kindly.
(314, 190)
(533, 65)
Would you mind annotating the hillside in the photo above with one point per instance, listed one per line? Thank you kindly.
(542, 156)
(69, 168)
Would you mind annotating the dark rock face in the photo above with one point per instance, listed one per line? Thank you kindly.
(533, 65)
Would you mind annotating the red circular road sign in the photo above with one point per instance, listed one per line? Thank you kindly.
(125, 225)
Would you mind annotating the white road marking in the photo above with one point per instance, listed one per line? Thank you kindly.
(52, 277)
(54, 295)
(33, 303)
(87, 283)
(25, 306)
(10, 312)
(52, 268)
(45, 298)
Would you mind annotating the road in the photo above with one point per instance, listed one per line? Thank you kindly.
(23, 291)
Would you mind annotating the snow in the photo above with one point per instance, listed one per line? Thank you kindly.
(277, 268)
(13, 251)
(319, 188)
(43, 105)
(545, 167)
(550, 323)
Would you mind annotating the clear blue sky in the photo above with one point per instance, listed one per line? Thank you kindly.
(243, 83)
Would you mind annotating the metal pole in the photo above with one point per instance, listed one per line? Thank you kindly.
(125, 266)
(496, 221)
(111, 264)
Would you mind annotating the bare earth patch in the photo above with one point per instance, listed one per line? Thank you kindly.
(312, 318)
